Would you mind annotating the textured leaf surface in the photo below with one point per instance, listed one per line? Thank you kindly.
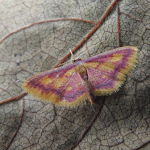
(123, 122)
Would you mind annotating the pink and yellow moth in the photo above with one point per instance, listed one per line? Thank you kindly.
(72, 84)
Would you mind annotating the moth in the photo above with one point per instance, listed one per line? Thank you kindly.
(72, 84)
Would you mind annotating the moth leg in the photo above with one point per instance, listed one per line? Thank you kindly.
(91, 98)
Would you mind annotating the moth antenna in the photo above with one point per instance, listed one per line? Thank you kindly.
(80, 55)
(71, 55)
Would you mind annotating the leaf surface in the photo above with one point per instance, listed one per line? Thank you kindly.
(29, 47)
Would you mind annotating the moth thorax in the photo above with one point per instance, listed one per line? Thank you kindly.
(83, 72)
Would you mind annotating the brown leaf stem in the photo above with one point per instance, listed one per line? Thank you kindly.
(118, 25)
(135, 19)
(89, 34)
(52, 20)
(14, 98)
(18, 125)
(89, 126)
